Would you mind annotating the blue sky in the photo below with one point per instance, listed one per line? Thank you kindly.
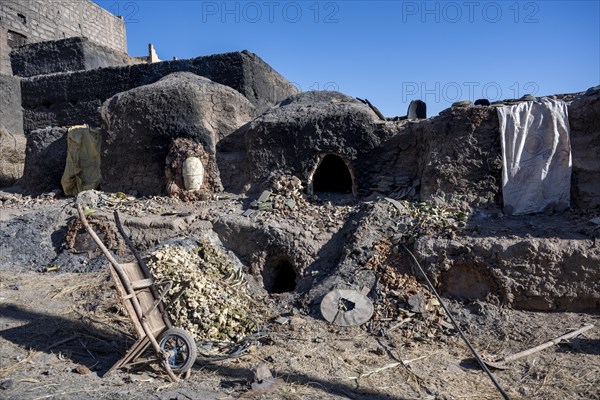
(389, 52)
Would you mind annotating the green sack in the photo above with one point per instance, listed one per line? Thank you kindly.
(82, 170)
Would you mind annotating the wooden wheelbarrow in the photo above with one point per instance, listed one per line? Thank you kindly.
(142, 297)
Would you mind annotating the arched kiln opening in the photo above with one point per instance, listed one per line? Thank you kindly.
(279, 276)
(332, 176)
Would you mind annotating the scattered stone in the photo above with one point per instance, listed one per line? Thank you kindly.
(290, 203)
(89, 198)
(396, 204)
(297, 322)
(263, 379)
(7, 384)
(462, 103)
(265, 206)
(264, 196)
(261, 373)
(528, 97)
(249, 212)
(417, 302)
(82, 370)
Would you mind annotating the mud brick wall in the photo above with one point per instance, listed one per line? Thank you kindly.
(73, 54)
(11, 114)
(73, 98)
(12, 139)
(460, 155)
(584, 121)
(43, 20)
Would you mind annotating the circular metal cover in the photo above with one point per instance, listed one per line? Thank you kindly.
(346, 307)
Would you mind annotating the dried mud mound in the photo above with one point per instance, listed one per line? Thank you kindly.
(538, 262)
(140, 125)
(295, 136)
(459, 156)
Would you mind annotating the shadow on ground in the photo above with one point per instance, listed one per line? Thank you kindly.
(236, 377)
(83, 343)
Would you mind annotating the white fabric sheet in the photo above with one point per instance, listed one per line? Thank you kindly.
(536, 156)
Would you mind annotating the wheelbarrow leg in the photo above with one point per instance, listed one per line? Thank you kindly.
(138, 348)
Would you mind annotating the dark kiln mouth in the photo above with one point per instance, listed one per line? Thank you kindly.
(332, 176)
(279, 276)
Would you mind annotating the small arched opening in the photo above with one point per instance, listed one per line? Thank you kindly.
(332, 176)
(279, 276)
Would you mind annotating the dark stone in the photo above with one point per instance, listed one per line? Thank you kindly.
(46, 156)
(417, 109)
(482, 102)
(72, 54)
(462, 103)
(7, 384)
(593, 90)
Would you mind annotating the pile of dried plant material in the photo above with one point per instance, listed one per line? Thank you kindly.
(215, 305)
(417, 219)
(402, 303)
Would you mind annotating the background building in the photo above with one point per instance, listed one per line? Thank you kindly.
(30, 21)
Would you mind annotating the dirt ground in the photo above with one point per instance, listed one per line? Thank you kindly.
(60, 332)
(54, 324)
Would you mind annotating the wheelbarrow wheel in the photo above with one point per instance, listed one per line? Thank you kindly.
(180, 348)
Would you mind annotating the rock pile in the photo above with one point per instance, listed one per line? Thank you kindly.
(317, 219)
(398, 187)
(401, 301)
(286, 195)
